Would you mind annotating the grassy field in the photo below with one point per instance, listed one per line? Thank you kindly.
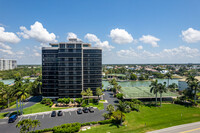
(14, 106)
(99, 106)
(2, 115)
(133, 92)
(39, 108)
(152, 118)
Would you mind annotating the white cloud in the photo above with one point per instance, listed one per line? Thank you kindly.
(20, 52)
(8, 37)
(191, 35)
(140, 47)
(181, 54)
(97, 42)
(37, 32)
(71, 35)
(7, 51)
(149, 39)
(5, 46)
(121, 36)
(37, 54)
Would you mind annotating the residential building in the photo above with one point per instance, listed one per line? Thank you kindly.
(7, 64)
(70, 67)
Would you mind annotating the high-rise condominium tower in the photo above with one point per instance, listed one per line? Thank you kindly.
(70, 67)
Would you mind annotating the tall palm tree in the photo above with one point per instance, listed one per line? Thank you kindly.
(193, 84)
(169, 76)
(154, 88)
(161, 89)
(122, 106)
(17, 86)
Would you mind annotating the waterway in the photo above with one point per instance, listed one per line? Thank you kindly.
(140, 83)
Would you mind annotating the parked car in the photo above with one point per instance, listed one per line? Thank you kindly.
(60, 113)
(85, 109)
(12, 118)
(53, 114)
(79, 111)
(91, 109)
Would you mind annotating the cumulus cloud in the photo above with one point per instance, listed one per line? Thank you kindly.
(7, 51)
(71, 35)
(191, 35)
(38, 33)
(37, 54)
(176, 55)
(149, 39)
(8, 37)
(140, 47)
(121, 36)
(20, 52)
(4, 46)
(97, 42)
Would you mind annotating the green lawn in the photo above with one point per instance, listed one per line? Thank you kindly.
(39, 108)
(14, 106)
(154, 117)
(99, 106)
(2, 115)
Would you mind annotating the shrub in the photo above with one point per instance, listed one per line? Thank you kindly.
(106, 116)
(105, 121)
(120, 96)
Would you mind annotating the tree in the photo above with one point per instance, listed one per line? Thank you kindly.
(173, 87)
(161, 89)
(193, 84)
(88, 93)
(26, 125)
(122, 108)
(6, 92)
(120, 96)
(169, 76)
(110, 108)
(133, 77)
(154, 88)
(99, 92)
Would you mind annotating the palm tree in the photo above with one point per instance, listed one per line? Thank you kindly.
(99, 92)
(110, 108)
(154, 88)
(17, 86)
(35, 123)
(161, 89)
(88, 93)
(6, 93)
(193, 84)
(169, 76)
(122, 106)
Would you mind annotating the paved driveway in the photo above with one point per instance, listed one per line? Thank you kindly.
(68, 117)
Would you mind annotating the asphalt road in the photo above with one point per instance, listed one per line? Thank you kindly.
(185, 128)
(33, 100)
(68, 117)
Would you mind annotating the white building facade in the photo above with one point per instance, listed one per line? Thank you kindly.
(7, 64)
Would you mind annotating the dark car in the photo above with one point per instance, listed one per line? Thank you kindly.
(79, 111)
(85, 110)
(12, 118)
(60, 113)
(91, 109)
(53, 114)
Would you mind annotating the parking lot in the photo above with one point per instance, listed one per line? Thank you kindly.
(48, 122)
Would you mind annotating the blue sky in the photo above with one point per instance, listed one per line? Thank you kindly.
(131, 31)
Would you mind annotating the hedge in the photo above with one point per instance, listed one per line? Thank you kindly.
(71, 127)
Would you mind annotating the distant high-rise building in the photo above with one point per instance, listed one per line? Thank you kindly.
(7, 64)
(70, 67)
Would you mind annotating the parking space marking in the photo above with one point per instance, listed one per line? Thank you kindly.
(69, 112)
(63, 114)
(43, 116)
(28, 116)
(49, 115)
(35, 116)
(1, 123)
